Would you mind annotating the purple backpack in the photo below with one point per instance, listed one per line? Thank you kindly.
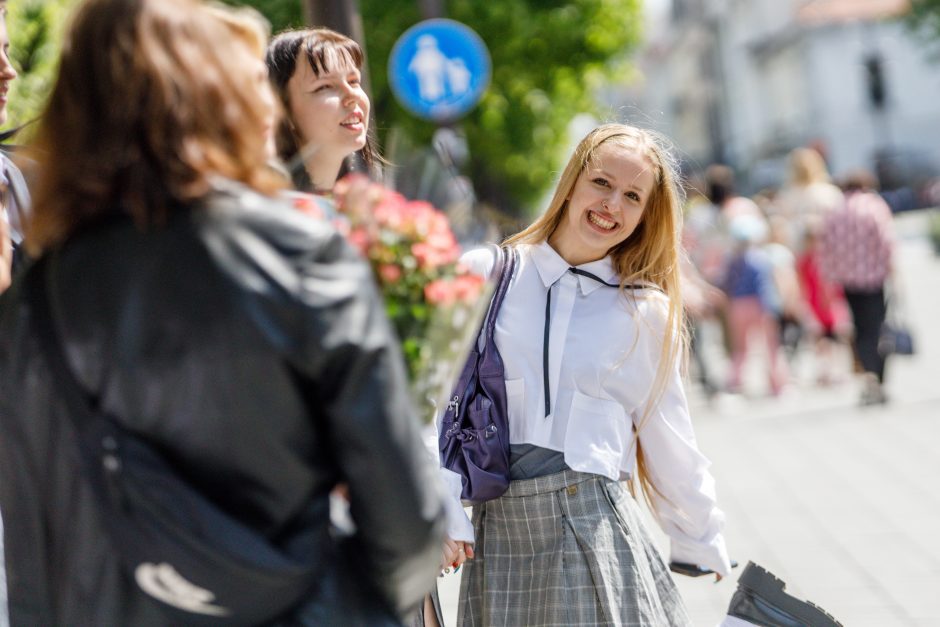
(474, 433)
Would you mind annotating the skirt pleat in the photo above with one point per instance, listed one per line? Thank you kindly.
(566, 549)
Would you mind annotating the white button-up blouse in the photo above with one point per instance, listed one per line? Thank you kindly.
(603, 349)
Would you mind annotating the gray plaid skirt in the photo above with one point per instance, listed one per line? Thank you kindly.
(566, 549)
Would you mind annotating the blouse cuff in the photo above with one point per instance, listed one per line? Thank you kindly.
(712, 554)
(459, 526)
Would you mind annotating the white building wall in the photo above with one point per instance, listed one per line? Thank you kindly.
(783, 84)
(853, 131)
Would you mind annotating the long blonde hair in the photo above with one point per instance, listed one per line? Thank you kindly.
(650, 254)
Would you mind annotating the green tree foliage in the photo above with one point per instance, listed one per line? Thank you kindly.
(924, 18)
(282, 14)
(35, 28)
(549, 59)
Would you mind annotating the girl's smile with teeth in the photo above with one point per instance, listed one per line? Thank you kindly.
(353, 120)
(603, 223)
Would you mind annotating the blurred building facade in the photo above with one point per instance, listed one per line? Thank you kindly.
(744, 81)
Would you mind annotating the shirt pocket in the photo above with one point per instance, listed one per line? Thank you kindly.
(594, 439)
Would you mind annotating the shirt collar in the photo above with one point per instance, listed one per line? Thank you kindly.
(551, 267)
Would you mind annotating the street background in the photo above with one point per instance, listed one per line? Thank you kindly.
(839, 501)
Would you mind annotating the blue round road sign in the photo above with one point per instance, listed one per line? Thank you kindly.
(439, 69)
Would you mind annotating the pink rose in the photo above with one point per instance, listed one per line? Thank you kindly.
(422, 253)
(390, 272)
(467, 287)
(440, 292)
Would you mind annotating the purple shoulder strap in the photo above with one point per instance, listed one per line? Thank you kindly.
(505, 265)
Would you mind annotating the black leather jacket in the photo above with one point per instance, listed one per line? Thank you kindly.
(248, 341)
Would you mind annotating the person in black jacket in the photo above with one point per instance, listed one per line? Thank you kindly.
(241, 339)
(14, 201)
(14, 196)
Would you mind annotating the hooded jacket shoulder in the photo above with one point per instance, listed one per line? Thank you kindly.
(248, 343)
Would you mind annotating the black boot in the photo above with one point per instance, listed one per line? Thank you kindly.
(760, 600)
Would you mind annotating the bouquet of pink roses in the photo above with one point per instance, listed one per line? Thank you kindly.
(434, 303)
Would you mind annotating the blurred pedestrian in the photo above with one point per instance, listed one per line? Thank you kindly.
(722, 191)
(14, 207)
(14, 195)
(703, 266)
(787, 283)
(701, 300)
(237, 341)
(826, 306)
(707, 237)
(595, 396)
(705, 234)
(856, 253)
(754, 304)
(808, 194)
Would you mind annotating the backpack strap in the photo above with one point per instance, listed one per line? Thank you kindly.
(82, 406)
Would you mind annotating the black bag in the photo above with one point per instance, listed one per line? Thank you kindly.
(202, 566)
(474, 432)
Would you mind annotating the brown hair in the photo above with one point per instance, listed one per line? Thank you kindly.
(149, 105)
(323, 49)
(245, 23)
(650, 253)
(859, 180)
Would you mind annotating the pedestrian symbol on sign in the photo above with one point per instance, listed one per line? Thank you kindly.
(439, 69)
(437, 75)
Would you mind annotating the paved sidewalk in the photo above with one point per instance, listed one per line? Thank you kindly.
(841, 502)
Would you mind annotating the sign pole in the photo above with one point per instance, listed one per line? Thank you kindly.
(431, 8)
(439, 70)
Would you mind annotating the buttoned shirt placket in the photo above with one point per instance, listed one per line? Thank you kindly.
(557, 318)
(555, 334)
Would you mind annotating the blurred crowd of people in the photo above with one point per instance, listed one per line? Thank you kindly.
(804, 266)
